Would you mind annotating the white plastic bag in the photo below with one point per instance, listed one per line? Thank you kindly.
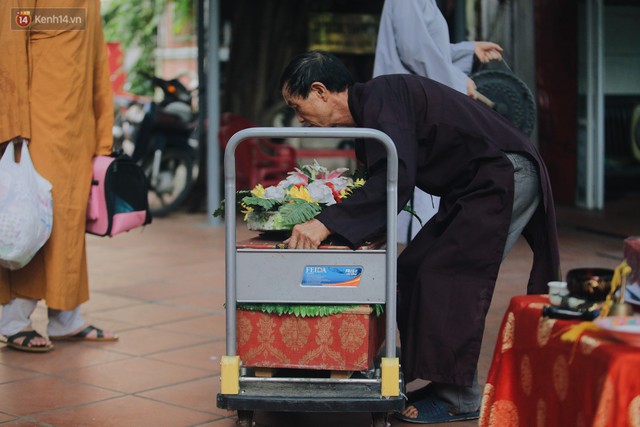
(26, 210)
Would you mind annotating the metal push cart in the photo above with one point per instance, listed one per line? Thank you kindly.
(249, 280)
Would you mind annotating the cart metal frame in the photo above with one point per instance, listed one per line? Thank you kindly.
(378, 393)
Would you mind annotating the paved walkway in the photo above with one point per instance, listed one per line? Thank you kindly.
(162, 290)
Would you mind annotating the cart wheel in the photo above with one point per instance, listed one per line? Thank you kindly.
(245, 418)
(379, 419)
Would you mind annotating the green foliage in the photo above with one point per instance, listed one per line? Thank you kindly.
(294, 211)
(240, 194)
(305, 310)
(259, 203)
(183, 14)
(298, 211)
(135, 25)
(408, 208)
(379, 309)
(286, 207)
(220, 211)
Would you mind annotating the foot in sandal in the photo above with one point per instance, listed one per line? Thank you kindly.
(431, 410)
(87, 333)
(30, 341)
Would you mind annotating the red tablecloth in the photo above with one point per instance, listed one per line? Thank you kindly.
(631, 251)
(536, 379)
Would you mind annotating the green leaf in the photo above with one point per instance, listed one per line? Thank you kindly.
(305, 310)
(220, 211)
(298, 211)
(379, 309)
(408, 208)
(260, 203)
(239, 195)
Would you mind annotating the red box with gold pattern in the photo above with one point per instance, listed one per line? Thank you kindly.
(347, 341)
(341, 342)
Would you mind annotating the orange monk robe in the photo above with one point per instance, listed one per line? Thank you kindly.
(56, 92)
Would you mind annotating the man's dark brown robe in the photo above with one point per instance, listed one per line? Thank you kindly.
(451, 146)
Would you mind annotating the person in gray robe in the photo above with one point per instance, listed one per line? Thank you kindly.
(413, 38)
(493, 187)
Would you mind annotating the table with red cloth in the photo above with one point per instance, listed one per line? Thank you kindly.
(537, 379)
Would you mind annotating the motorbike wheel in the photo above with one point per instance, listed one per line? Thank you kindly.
(172, 185)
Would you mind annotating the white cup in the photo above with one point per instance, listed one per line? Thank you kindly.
(557, 291)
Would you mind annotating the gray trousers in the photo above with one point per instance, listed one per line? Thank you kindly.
(526, 197)
(16, 317)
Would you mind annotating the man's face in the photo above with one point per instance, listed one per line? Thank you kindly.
(314, 110)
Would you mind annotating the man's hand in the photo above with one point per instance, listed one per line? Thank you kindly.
(488, 51)
(307, 235)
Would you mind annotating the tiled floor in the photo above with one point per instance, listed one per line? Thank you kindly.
(162, 290)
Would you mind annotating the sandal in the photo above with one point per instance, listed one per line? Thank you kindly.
(83, 335)
(24, 345)
(431, 410)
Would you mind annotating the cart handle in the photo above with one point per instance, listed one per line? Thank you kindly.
(230, 215)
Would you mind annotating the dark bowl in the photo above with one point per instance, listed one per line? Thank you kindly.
(592, 284)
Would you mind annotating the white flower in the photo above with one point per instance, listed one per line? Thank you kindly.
(340, 182)
(320, 193)
(295, 177)
(276, 193)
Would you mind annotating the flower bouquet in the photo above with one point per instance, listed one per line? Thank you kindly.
(298, 198)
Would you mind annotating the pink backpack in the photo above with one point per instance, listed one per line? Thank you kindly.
(118, 199)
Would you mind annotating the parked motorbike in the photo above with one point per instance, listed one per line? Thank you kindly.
(163, 138)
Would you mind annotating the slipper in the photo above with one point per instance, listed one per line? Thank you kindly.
(431, 411)
(83, 335)
(24, 345)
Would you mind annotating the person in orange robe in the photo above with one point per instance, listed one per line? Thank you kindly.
(56, 94)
